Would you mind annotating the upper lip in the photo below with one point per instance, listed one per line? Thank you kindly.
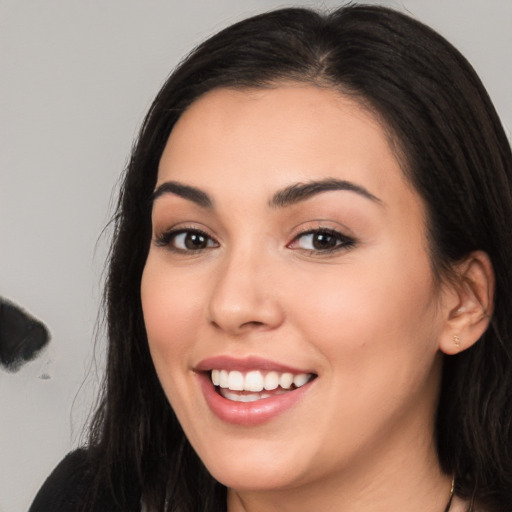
(224, 362)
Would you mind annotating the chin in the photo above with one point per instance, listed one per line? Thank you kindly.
(259, 469)
(254, 478)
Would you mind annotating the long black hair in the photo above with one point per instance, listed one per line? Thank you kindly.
(453, 150)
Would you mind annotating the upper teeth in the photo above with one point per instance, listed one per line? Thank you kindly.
(256, 381)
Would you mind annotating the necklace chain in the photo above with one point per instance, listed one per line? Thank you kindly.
(449, 504)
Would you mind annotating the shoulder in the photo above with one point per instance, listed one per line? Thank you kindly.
(67, 487)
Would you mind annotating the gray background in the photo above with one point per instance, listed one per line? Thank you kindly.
(76, 78)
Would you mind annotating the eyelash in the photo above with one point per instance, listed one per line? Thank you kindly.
(167, 238)
(342, 242)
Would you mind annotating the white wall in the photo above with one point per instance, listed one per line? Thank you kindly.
(75, 80)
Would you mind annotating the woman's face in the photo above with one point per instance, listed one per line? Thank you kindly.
(288, 247)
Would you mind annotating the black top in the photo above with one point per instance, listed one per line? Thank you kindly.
(65, 490)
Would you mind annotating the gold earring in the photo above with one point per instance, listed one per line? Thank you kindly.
(457, 341)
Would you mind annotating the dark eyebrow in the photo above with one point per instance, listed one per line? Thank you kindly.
(302, 191)
(185, 191)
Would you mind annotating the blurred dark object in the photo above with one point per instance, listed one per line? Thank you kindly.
(21, 336)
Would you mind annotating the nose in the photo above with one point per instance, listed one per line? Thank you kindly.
(245, 297)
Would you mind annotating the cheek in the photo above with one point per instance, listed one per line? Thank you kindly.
(384, 310)
(376, 327)
(171, 311)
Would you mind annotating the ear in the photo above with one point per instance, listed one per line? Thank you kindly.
(467, 303)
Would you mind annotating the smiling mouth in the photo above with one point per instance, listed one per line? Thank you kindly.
(256, 385)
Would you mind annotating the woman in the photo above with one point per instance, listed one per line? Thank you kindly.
(302, 304)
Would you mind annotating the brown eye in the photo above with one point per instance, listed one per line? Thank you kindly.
(193, 241)
(322, 241)
(189, 240)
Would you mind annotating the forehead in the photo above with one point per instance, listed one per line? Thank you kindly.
(275, 136)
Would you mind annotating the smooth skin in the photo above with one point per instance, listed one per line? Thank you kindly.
(338, 283)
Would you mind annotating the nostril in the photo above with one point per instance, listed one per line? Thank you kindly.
(252, 324)
(242, 327)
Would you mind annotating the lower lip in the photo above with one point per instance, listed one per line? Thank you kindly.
(249, 414)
